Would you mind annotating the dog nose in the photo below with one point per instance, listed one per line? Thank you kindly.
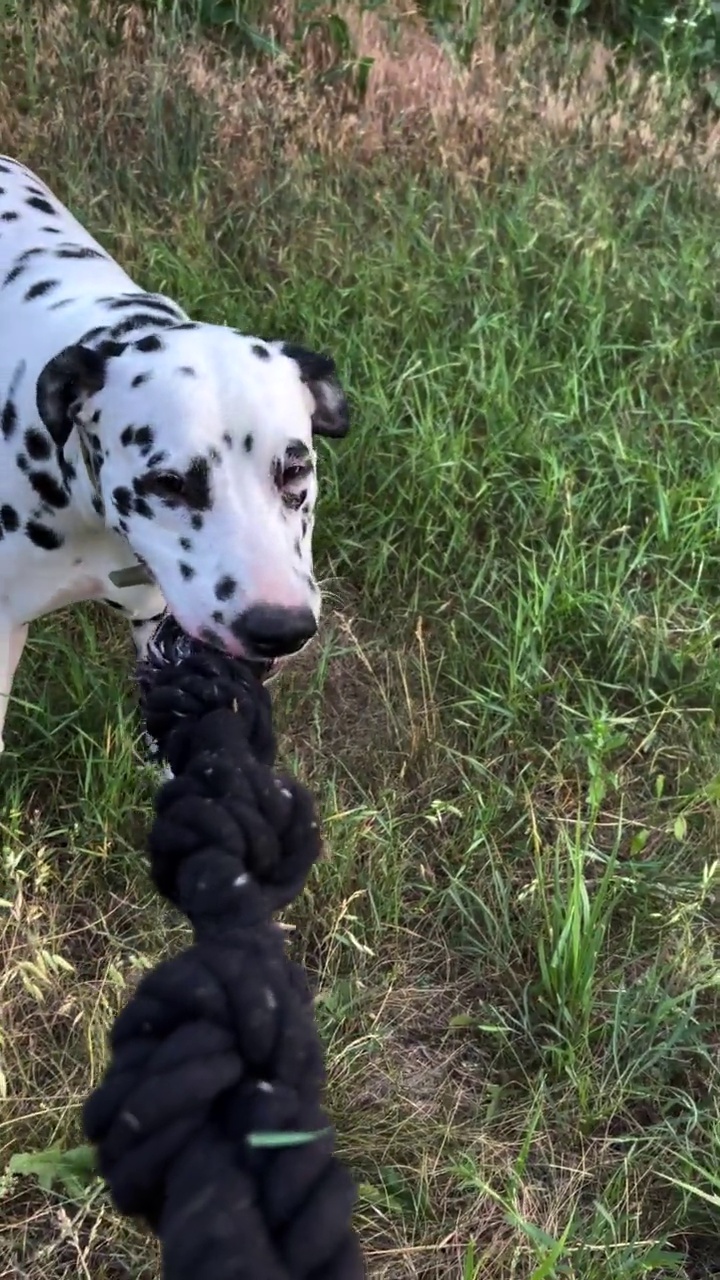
(273, 631)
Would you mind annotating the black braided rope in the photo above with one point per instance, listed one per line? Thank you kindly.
(208, 1123)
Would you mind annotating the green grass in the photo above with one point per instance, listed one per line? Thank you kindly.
(510, 721)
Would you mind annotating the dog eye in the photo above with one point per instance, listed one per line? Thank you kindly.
(166, 484)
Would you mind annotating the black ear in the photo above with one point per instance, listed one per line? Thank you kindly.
(67, 380)
(332, 412)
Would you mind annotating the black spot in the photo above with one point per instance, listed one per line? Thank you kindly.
(8, 418)
(78, 251)
(5, 168)
(17, 378)
(22, 463)
(97, 503)
(109, 349)
(186, 544)
(40, 203)
(9, 216)
(150, 343)
(49, 489)
(9, 518)
(142, 300)
(122, 525)
(127, 436)
(39, 289)
(62, 302)
(297, 548)
(215, 456)
(227, 439)
(306, 510)
(187, 324)
(139, 379)
(52, 230)
(38, 444)
(95, 418)
(17, 270)
(156, 458)
(42, 536)
(304, 527)
(311, 582)
(187, 370)
(225, 589)
(143, 508)
(186, 571)
(248, 443)
(196, 485)
(197, 523)
(218, 617)
(145, 437)
(92, 334)
(140, 321)
(123, 499)
(261, 352)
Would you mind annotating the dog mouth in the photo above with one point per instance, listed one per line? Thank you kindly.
(171, 643)
(170, 630)
(263, 668)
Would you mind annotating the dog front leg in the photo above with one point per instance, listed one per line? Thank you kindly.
(12, 643)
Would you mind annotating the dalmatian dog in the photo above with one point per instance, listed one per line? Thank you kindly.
(139, 446)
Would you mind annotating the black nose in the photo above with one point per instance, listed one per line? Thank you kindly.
(271, 631)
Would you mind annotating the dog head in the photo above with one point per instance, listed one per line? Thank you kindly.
(201, 441)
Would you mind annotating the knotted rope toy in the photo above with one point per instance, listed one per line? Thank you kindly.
(208, 1123)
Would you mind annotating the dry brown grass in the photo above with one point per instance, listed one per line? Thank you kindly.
(473, 119)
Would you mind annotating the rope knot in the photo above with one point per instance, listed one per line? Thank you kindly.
(209, 1122)
(181, 681)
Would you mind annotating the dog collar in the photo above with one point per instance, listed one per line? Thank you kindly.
(135, 575)
(89, 462)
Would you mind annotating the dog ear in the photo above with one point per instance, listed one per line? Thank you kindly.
(332, 413)
(67, 380)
